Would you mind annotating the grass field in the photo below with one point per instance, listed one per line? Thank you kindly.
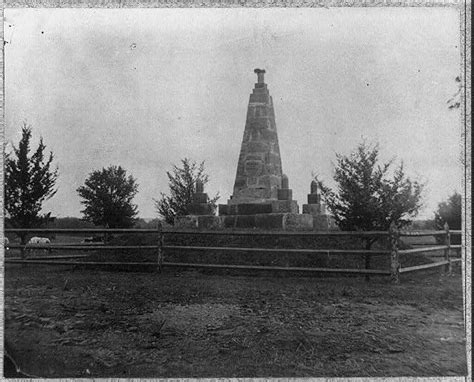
(97, 323)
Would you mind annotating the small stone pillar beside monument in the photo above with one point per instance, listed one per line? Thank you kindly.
(321, 220)
(285, 202)
(200, 205)
(200, 212)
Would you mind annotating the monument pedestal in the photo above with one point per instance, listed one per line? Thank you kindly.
(276, 221)
(323, 223)
(211, 222)
(272, 221)
(269, 207)
(314, 209)
(279, 214)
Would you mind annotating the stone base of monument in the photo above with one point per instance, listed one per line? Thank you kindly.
(290, 206)
(272, 206)
(276, 221)
(321, 220)
(210, 222)
(200, 209)
(314, 209)
(323, 223)
(270, 215)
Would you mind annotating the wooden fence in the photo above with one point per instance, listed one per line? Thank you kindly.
(160, 249)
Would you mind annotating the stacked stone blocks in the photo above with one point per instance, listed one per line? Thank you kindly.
(261, 196)
(200, 205)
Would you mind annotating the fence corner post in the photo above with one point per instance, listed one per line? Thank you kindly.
(447, 251)
(394, 234)
(159, 259)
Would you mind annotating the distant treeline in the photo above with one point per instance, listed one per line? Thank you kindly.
(73, 222)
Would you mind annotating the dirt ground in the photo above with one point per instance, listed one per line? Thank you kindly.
(97, 323)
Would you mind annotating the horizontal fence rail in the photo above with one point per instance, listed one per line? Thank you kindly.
(393, 252)
(280, 233)
(230, 232)
(81, 230)
(273, 268)
(429, 233)
(426, 249)
(281, 250)
(51, 257)
(102, 247)
(424, 266)
(59, 262)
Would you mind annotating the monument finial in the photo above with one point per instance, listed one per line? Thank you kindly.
(260, 74)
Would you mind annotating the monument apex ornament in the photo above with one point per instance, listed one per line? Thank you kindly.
(260, 75)
(259, 170)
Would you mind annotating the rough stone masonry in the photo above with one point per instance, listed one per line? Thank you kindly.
(260, 186)
(261, 197)
(259, 170)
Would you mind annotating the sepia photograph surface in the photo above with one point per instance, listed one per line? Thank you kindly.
(234, 192)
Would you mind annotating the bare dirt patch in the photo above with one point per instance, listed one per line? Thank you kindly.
(91, 323)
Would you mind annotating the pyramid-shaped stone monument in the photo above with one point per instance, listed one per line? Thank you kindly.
(259, 170)
(261, 197)
(261, 193)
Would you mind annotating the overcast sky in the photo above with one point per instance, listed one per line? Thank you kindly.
(144, 88)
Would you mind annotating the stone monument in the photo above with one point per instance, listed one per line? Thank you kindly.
(259, 170)
(261, 196)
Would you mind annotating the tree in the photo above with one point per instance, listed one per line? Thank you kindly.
(367, 197)
(182, 184)
(108, 195)
(450, 212)
(29, 181)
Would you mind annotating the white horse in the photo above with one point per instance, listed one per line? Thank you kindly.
(39, 241)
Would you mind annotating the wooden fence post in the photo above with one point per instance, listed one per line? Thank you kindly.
(394, 257)
(447, 251)
(23, 249)
(367, 258)
(159, 259)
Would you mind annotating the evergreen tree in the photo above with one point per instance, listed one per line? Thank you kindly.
(182, 184)
(29, 181)
(367, 197)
